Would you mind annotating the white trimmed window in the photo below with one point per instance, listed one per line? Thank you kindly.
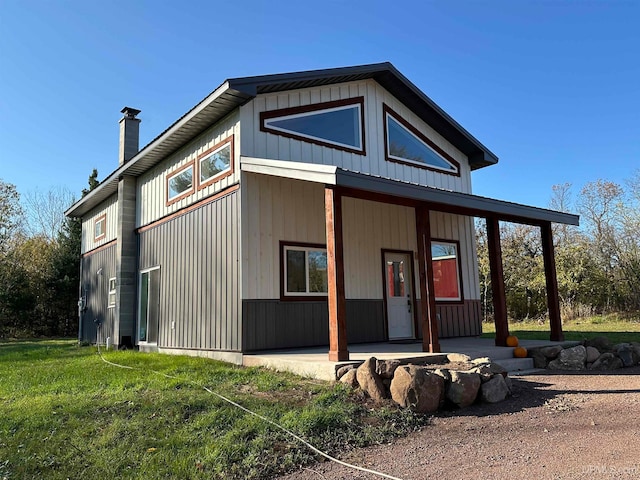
(445, 263)
(304, 270)
(112, 292)
(215, 163)
(406, 144)
(337, 124)
(100, 227)
(180, 183)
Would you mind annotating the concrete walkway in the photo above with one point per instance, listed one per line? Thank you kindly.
(313, 362)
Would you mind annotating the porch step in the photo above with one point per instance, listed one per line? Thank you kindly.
(515, 364)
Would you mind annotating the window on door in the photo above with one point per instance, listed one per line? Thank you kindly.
(396, 279)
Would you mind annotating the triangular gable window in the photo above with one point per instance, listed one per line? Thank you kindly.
(405, 144)
(331, 124)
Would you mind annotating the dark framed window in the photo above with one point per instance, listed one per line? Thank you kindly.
(405, 144)
(338, 124)
(303, 270)
(180, 183)
(100, 227)
(447, 273)
(216, 163)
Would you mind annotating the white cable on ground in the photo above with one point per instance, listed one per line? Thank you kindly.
(265, 419)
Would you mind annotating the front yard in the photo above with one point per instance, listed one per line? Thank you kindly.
(64, 413)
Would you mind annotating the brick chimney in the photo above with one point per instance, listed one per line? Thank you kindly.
(129, 134)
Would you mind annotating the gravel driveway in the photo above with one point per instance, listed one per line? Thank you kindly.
(555, 426)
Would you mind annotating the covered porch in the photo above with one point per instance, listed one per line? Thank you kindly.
(340, 183)
(313, 362)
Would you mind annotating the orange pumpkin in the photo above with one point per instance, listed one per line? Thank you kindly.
(512, 341)
(520, 352)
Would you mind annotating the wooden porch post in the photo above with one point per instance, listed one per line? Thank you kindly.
(497, 281)
(335, 276)
(553, 302)
(428, 316)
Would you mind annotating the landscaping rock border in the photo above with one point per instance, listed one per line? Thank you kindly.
(426, 388)
(595, 354)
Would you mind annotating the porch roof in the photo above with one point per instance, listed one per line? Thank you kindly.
(393, 191)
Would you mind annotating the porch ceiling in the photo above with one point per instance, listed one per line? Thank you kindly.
(394, 191)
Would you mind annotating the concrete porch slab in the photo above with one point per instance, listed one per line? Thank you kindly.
(313, 362)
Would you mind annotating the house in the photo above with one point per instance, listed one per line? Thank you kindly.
(325, 207)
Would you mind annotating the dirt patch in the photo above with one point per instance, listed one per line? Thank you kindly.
(562, 425)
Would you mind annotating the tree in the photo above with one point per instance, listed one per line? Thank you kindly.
(45, 211)
(39, 267)
(65, 268)
(93, 182)
(10, 213)
(599, 205)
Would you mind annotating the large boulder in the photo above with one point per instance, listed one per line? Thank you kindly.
(603, 344)
(350, 378)
(458, 358)
(495, 390)
(627, 354)
(573, 358)
(539, 360)
(369, 380)
(497, 368)
(416, 388)
(592, 354)
(552, 351)
(607, 361)
(386, 368)
(444, 373)
(463, 388)
(344, 369)
(484, 371)
(481, 360)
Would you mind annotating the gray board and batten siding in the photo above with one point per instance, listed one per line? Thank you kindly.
(198, 253)
(96, 269)
(270, 324)
(273, 324)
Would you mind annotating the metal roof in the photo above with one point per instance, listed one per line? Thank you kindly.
(237, 91)
(442, 200)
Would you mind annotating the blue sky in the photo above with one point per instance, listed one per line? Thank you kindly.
(552, 87)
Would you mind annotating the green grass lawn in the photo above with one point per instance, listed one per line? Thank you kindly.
(617, 328)
(64, 413)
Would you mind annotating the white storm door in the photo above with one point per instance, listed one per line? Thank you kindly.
(399, 296)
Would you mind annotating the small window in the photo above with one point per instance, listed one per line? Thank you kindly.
(336, 124)
(180, 183)
(405, 144)
(446, 271)
(100, 227)
(304, 271)
(215, 163)
(112, 292)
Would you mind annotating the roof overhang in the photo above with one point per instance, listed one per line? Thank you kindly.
(237, 91)
(354, 184)
(213, 108)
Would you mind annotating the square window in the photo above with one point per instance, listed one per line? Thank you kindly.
(305, 271)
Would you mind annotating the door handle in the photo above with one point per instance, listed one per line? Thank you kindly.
(409, 303)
